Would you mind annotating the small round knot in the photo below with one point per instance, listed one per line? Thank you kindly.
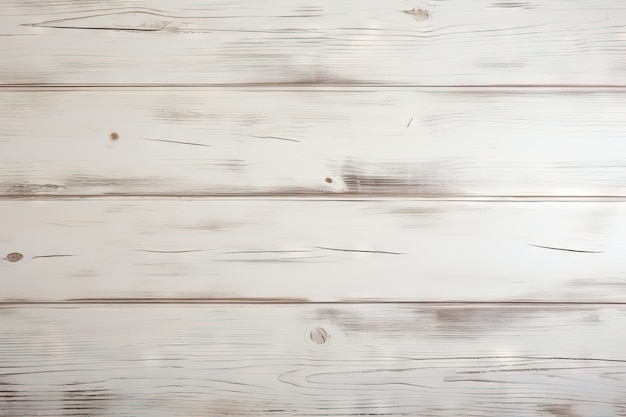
(114, 136)
(329, 180)
(319, 335)
(14, 257)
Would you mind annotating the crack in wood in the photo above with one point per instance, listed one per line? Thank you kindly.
(138, 21)
(564, 249)
(276, 138)
(360, 250)
(177, 142)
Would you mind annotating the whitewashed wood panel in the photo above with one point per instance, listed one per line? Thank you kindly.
(417, 42)
(312, 250)
(420, 142)
(313, 360)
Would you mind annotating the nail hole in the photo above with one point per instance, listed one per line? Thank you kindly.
(329, 180)
(14, 257)
(319, 335)
(114, 136)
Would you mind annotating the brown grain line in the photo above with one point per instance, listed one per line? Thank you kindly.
(52, 256)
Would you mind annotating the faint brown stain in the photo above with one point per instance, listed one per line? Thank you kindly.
(461, 322)
(421, 15)
(470, 320)
(85, 181)
(8, 396)
(418, 210)
(319, 335)
(346, 319)
(184, 116)
(560, 410)
(395, 178)
(114, 136)
(14, 257)
(93, 401)
(14, 189)
(245, 407)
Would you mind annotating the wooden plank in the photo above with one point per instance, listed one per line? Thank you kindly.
(452, 42)
(313, 360)
(419, 142)
(315, 250)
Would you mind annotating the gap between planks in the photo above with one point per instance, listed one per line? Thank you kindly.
(339, 197)
(85, 302)
(305, 85)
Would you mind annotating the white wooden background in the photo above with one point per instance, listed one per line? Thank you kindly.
(338, 208)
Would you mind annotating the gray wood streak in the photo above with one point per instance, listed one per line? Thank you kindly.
(289, 141)
(314, 42)
(316, 250)
(311, 360)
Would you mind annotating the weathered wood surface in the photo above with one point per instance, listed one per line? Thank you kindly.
(290, 141)
(313, 360)
(454, 42)
(312, 250)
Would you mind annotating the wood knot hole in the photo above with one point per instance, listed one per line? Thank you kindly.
(319, 335)
(329, 180)
(14, 257)
(420, 15)
(114, 136)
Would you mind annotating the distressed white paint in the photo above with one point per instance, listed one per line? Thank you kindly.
(454, 42)
(420, 142)
(323, 169)
(388, 360)
(316, 250)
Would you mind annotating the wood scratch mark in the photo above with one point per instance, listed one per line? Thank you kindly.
(564, 249)
(276, 138)
(171, 251)
(512, 5)
(269, 251)
(51, 256)
(410, 121)
(453, 379)
(359, 250)
(277, 260)
(177, 142)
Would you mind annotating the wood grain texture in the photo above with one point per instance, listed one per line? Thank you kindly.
(290, 141)
(452, 42)
(312, 250)
(252, 361)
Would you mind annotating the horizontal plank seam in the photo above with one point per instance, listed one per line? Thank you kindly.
(322, 197)
(313, 86)
(243, 301)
